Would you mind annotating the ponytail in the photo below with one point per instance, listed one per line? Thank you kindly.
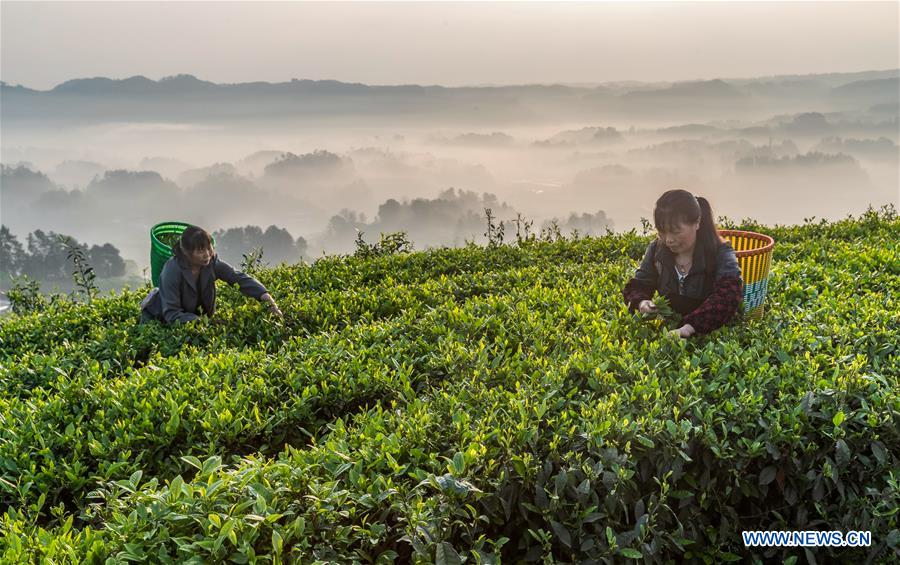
(707, 234)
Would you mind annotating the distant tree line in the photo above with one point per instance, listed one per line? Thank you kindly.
(277, 244)
(43, 257)
(809, 160)
(881, 147)
(452, 219)
(584, 224)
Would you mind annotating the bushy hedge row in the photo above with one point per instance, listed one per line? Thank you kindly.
(471, 404)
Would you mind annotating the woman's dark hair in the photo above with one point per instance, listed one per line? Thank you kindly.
(680, 206)
(192, 238)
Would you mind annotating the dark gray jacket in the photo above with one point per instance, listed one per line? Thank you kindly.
(180, 298)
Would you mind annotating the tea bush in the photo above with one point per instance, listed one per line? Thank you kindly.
(470, 405)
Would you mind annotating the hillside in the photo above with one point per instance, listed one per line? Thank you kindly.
(186, 98)
(475, 403)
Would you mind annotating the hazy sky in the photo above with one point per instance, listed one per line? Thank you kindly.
(44, 43)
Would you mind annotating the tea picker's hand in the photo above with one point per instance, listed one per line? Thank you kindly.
(684, 331)
(272, 306)
(646, 307)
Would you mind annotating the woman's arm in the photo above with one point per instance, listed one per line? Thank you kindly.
(641, 286)
(728, 290)
(249, 286)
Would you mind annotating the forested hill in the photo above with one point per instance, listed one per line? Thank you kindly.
(462, 404)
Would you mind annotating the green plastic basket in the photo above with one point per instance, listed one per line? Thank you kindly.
(162, 237)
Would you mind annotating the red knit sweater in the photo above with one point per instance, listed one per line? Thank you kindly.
(713, 313)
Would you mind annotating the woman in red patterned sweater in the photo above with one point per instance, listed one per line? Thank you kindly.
(689, 264)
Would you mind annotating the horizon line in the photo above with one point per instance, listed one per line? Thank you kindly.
(569, 84)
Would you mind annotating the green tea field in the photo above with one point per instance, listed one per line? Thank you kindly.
(480, 404)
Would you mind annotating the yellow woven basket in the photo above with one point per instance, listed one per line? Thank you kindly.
(754, 255)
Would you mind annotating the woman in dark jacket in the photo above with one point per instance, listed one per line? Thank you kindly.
(187, 283)
(689, 264)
